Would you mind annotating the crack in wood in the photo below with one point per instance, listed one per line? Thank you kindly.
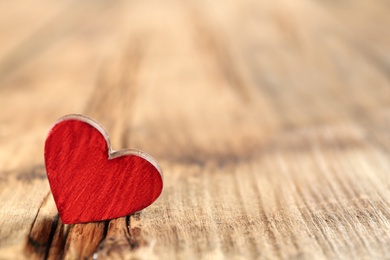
(121, 239)
(41, 232)
(51, 235)
(49, 238)
(134, 230)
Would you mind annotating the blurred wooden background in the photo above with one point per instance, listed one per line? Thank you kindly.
(270, 119)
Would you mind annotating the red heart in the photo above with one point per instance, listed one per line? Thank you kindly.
(89, 181)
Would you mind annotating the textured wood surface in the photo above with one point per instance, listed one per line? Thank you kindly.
(270, 120)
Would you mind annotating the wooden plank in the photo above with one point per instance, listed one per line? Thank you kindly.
(270, 121)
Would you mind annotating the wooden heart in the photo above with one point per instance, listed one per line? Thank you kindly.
(91, 182)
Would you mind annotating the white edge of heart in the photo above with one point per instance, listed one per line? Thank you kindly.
(112, 153)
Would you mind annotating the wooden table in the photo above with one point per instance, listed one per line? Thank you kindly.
(270, 119)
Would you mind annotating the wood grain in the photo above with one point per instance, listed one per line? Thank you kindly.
(270, 120)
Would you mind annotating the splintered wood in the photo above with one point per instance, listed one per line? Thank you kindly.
(270, 120)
